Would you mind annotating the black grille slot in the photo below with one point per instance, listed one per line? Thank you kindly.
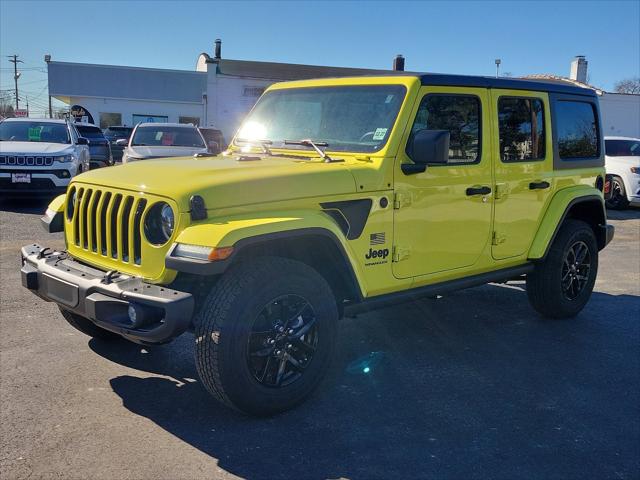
(85, 218)
(76, 219)
(102, 218)
(3, 160)
(114, 225)
(48, 161)
(93, 220)
(137, 229)
(125, 228)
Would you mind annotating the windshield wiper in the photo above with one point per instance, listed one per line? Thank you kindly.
(315, 145)
(264, 144)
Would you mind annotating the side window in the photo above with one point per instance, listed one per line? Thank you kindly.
(460, 115)
(577, 130)
(521, 125)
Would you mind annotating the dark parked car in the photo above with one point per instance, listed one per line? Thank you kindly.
(99, 148)
(115, 133)
(213, 137)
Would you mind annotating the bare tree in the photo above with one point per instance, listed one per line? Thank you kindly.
(6, 110)
(629, 85)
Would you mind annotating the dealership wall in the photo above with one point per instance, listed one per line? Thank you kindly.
(130, 110)
(620, 114)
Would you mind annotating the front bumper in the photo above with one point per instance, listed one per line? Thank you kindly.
(105, 299)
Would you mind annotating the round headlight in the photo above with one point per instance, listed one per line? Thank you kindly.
(159, 223)
(71, 203)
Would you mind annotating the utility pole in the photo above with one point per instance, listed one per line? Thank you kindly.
(16, 75)
(47, 59)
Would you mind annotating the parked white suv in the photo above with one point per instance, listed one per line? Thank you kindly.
(39, 156)
(622, 161)
(161, 140)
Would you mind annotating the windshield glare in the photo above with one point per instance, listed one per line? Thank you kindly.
(34, 132)
(348, 118)
(167, 136)
(622, 148)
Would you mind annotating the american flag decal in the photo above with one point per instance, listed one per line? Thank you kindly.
(377, 238)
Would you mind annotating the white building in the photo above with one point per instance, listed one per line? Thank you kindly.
(217, 94)
(620, 111)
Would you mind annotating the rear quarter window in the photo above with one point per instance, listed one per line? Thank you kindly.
(576, 125)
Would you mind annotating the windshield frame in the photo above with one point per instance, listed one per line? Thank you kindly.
(401, 88)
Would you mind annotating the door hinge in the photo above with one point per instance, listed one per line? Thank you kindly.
(401, 200)
(501, 190)
(400, 254)
(498, 238)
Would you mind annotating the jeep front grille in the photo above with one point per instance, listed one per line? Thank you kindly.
(108, 224)
(24, 160)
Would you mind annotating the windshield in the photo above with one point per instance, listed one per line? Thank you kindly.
(622, 148)
(118, 132)
(34, 132)
(347, 118)
(90, 132)
(167, 136)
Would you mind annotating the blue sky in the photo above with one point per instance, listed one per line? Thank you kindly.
(453, 37)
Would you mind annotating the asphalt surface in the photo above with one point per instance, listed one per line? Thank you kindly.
(472, 385)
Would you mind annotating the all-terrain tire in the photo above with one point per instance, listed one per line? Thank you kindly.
(87, 327)
(618, 200)
(226, 321)
(545, 284)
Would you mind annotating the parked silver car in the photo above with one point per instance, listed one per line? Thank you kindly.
(161, 140)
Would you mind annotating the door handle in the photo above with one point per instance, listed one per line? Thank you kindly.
(538, 185)
(484, 190)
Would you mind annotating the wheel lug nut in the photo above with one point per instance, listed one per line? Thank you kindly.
(278, 353)
(272, 341)
(280, 329)
(289, 346)
(290, 331)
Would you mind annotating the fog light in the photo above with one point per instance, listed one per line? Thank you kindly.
(141, 315)
(133, 315)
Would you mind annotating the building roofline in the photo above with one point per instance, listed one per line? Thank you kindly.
(102, 65)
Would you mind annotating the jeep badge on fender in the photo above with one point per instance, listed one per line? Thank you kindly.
(260, 250)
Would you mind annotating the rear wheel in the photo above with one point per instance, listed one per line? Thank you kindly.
(561, 285)
(87, 327)
(618, 200)
(265, 335)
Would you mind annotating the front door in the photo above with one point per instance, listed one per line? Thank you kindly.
(524, 168)
(442, 217)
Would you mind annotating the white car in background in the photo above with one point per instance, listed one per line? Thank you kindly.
(161, 140)
(622, 162)
(39, 156)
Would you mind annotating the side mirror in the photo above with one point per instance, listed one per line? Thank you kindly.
(83, 141)
(214, 147)
(122, 142)
(427, 147)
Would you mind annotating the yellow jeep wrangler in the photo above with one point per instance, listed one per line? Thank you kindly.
(335, 195)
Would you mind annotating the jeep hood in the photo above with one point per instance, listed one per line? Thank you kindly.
(226, 181)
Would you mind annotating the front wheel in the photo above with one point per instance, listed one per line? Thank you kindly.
(561, 285)
(265, 335)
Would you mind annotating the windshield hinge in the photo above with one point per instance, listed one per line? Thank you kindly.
(401, 200)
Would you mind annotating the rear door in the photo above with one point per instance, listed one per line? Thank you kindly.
(523, 153)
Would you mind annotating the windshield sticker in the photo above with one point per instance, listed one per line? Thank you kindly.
(388, 99)
(380, 133)
(34, 134)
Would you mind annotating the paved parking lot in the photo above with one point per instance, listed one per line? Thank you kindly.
(472, 385)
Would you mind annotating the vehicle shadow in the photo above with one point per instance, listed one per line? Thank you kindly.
(25, 205)
(472, 385)
(630, 213)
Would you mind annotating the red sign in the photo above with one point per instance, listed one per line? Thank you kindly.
(21, 113)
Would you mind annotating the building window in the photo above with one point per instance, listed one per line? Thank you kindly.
(577, 130)
(521, 122)
(138, 118)
(460, 115)
(110, 119)
(192, 120)
(253, 92)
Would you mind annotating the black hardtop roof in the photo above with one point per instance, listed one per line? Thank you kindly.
(439, 79)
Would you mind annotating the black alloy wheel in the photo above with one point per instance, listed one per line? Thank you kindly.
(282, 342)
